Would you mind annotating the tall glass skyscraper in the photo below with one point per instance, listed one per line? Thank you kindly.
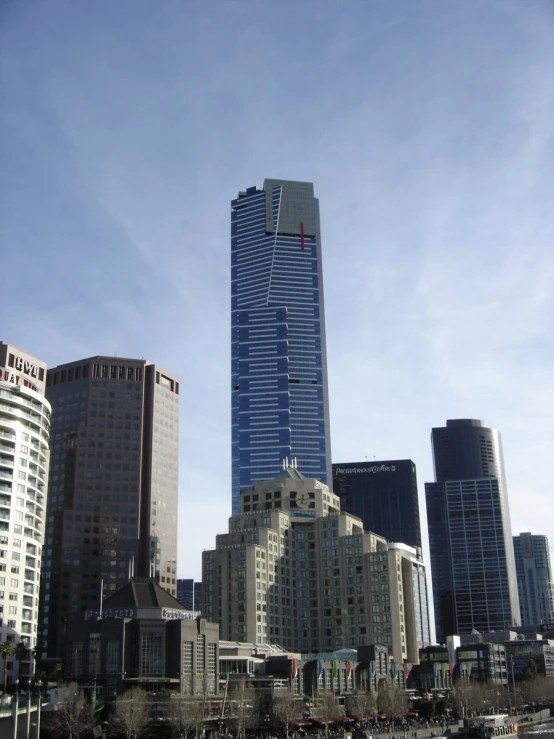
(470, 536)
(383, 495)
(534, 579)
(280, 405)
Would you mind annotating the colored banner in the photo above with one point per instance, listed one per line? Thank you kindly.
(293, 668)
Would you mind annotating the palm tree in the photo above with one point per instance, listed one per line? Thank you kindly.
(7, 650)
(21, 653)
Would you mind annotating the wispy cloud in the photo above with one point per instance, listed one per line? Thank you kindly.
(427, 130)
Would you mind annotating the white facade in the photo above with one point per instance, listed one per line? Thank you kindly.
(24, 460)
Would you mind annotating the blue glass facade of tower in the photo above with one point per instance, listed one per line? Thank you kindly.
(279, 374)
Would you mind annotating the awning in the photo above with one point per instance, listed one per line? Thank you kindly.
(300, 722)
(412, 714)
(319, 721)
(343, 720)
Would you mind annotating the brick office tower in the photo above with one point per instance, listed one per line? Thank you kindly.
(112, 495)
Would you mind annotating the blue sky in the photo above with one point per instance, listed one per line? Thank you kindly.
(426, 126)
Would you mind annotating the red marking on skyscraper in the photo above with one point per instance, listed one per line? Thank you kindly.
(301, 235)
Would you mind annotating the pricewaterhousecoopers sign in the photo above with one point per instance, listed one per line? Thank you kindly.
(365, 470)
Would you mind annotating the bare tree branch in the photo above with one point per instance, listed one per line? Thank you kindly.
(131, 713)
(73, 716)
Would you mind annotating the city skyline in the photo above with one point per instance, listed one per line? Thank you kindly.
(432, 168)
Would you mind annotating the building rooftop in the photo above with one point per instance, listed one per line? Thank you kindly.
(290, 470)
(142, 592)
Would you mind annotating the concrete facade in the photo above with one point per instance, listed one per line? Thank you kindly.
(295, 571)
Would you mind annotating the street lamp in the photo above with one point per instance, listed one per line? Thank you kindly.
(39, 707)
(14, 722)
(28, 727)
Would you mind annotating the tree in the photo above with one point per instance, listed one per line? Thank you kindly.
(186, 714)
(7, 650)
(363, 704)
(73, 716)
(21, 653)
(131, 713)
(467, 698)
(243, 699)
(529, 673)
(285, 710)
(329, 708)
(391, 699)
(540, 690)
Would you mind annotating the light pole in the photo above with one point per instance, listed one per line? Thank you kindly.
(14, 722)
(39, 707)
(28, 727)
(513, 680)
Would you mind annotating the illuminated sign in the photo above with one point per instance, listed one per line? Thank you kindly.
(363, 470)
(113, 613)
(182, 615)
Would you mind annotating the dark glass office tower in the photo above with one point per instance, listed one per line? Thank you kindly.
(280, 406)
(383, 495)
(112, 492)
(534, 579)
(470, 538)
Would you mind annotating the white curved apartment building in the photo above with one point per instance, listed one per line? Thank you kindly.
(24, 459)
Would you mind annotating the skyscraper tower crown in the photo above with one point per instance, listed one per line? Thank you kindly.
(280, 406)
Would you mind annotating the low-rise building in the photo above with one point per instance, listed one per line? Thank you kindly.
(142, 636)
(477, 661)
(520, 653)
